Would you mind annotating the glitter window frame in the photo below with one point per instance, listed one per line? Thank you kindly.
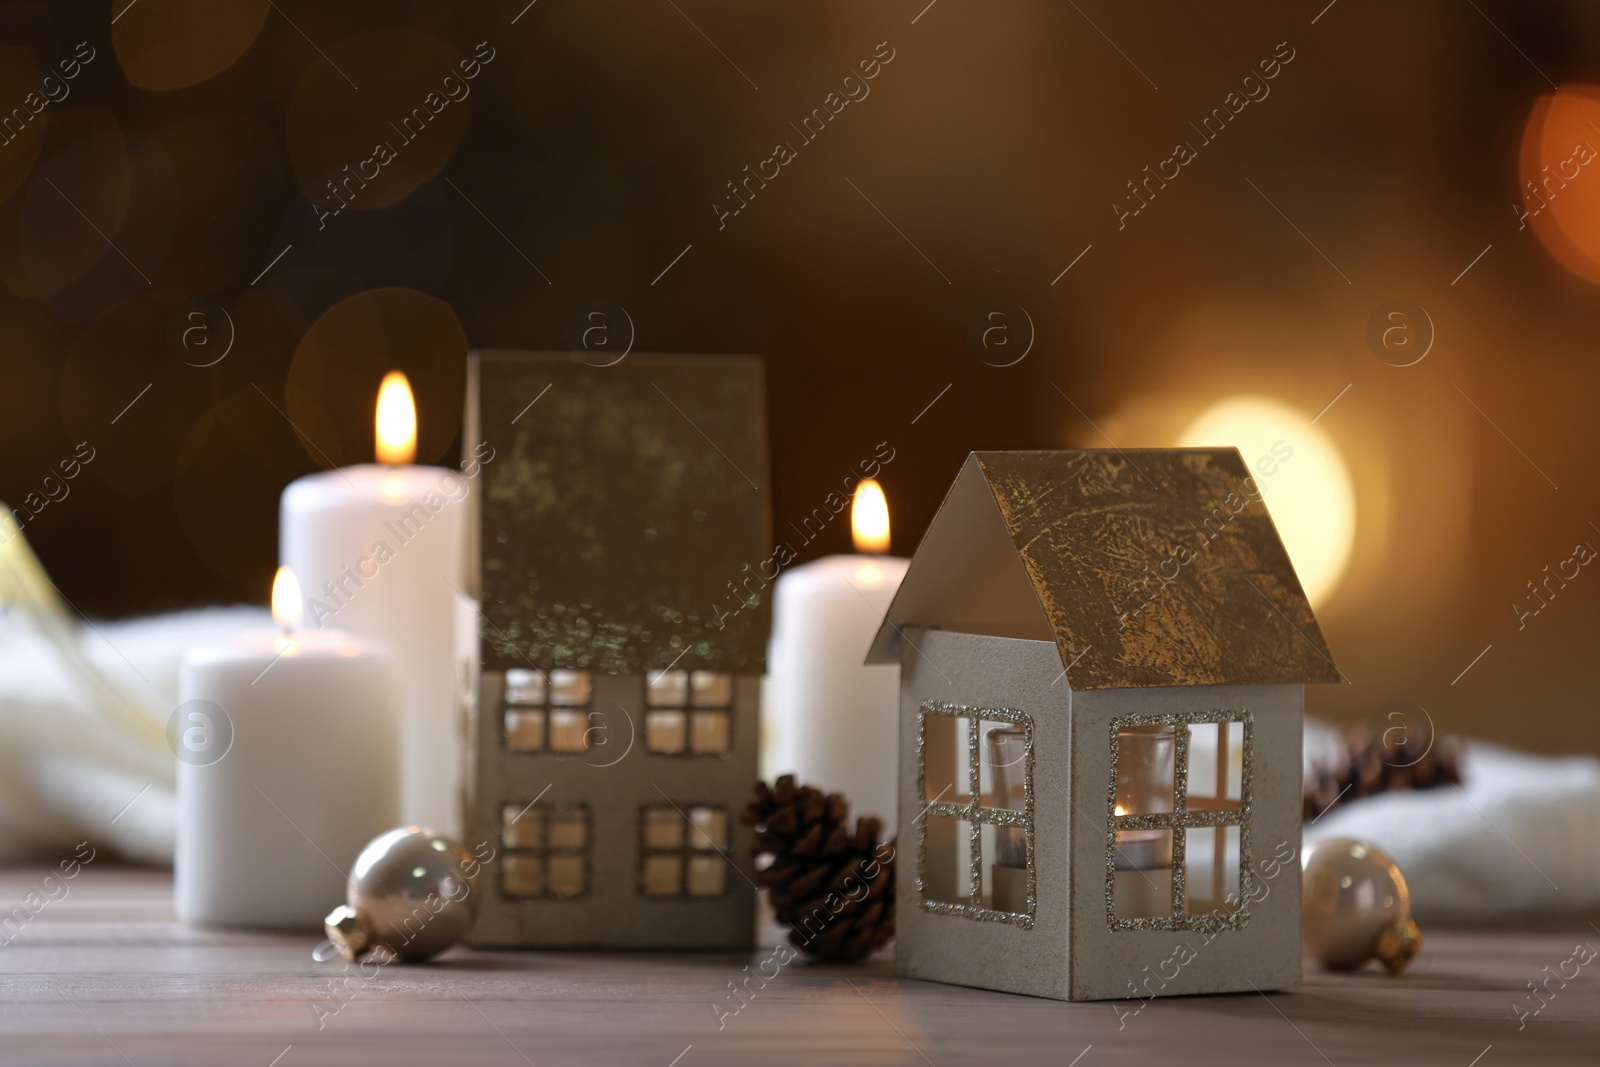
(975, 814)
(689, 708)
(1180, 819)
(547, 708)
(543, 851)
(685, 851)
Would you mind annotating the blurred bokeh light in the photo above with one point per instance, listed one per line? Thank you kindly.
(177, 43)
(1560, 186)
(1302, 477)
(342, 360)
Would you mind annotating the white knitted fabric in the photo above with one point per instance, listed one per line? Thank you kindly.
(65, 774)
(1520, 836)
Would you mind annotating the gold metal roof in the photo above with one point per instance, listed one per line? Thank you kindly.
(622, 512)
(1148, 567)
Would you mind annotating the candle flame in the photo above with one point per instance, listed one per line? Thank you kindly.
(1120, 811)
(869, 519)
(287, 606)
(396, 422)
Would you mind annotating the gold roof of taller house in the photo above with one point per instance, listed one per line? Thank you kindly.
(1149, 567)
(619, 507)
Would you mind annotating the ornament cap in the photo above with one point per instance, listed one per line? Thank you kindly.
(346, 930)
(1399, 944)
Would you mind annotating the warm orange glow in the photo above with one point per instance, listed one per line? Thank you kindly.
(1560, 174)
(869, 519)
(1309, 494)
(286, 603)
(869, 574)
(175, 51)
(396, 423)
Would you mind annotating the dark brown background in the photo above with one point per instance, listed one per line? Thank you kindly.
(594, 145)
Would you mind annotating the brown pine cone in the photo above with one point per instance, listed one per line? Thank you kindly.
(1378, 763)
(834, 889)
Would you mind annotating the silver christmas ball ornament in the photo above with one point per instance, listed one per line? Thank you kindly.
(1356, 907)
(411, 891)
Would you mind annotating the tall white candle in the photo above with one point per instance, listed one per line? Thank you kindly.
(831, 719)
(286, 748)
(380, 551)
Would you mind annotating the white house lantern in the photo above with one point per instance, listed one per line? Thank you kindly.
(614, 724)
(1103, 657)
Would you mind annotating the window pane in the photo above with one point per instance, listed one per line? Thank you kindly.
(710, 733)
(945, 758)
(667, 689)
(663, 828)
(707, 875)
(1235, 760)
(1202, 759)
(1005, 764)
(569, 730)
(1211, 861)
(1142, 885)
(569, 688)
(1210, 746)
(567, 877)
(524, 687)
(524, 730)
(1144, 769)
(1008, 885)
(711, 689)
(986, 757)
(569, 828)
(1009, 847)
(663, 876)
(520, 876)
(665, 732)
(1143, 849)
(1200, 863)
(948, 870)
(710, 828)
(520, 825)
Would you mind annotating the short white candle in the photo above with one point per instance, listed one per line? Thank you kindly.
(832, 720)
(380, 551)
(286, 749)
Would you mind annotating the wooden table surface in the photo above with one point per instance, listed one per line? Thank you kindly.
(104, 975)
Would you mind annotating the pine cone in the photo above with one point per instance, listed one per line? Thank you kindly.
(1372, 763)
(834, 889)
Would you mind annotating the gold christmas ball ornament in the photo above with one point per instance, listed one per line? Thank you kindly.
(411, 892)
(1356, 907)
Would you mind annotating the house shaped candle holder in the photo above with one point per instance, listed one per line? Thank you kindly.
(1103, 657)
(618, 514)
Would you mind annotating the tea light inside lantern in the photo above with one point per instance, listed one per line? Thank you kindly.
(1143, 857)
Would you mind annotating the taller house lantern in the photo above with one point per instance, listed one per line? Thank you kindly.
(1103, 657)
(620, 516)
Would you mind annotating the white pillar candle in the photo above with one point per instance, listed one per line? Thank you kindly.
(380, 552)
(286, 749)
(832, 720)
